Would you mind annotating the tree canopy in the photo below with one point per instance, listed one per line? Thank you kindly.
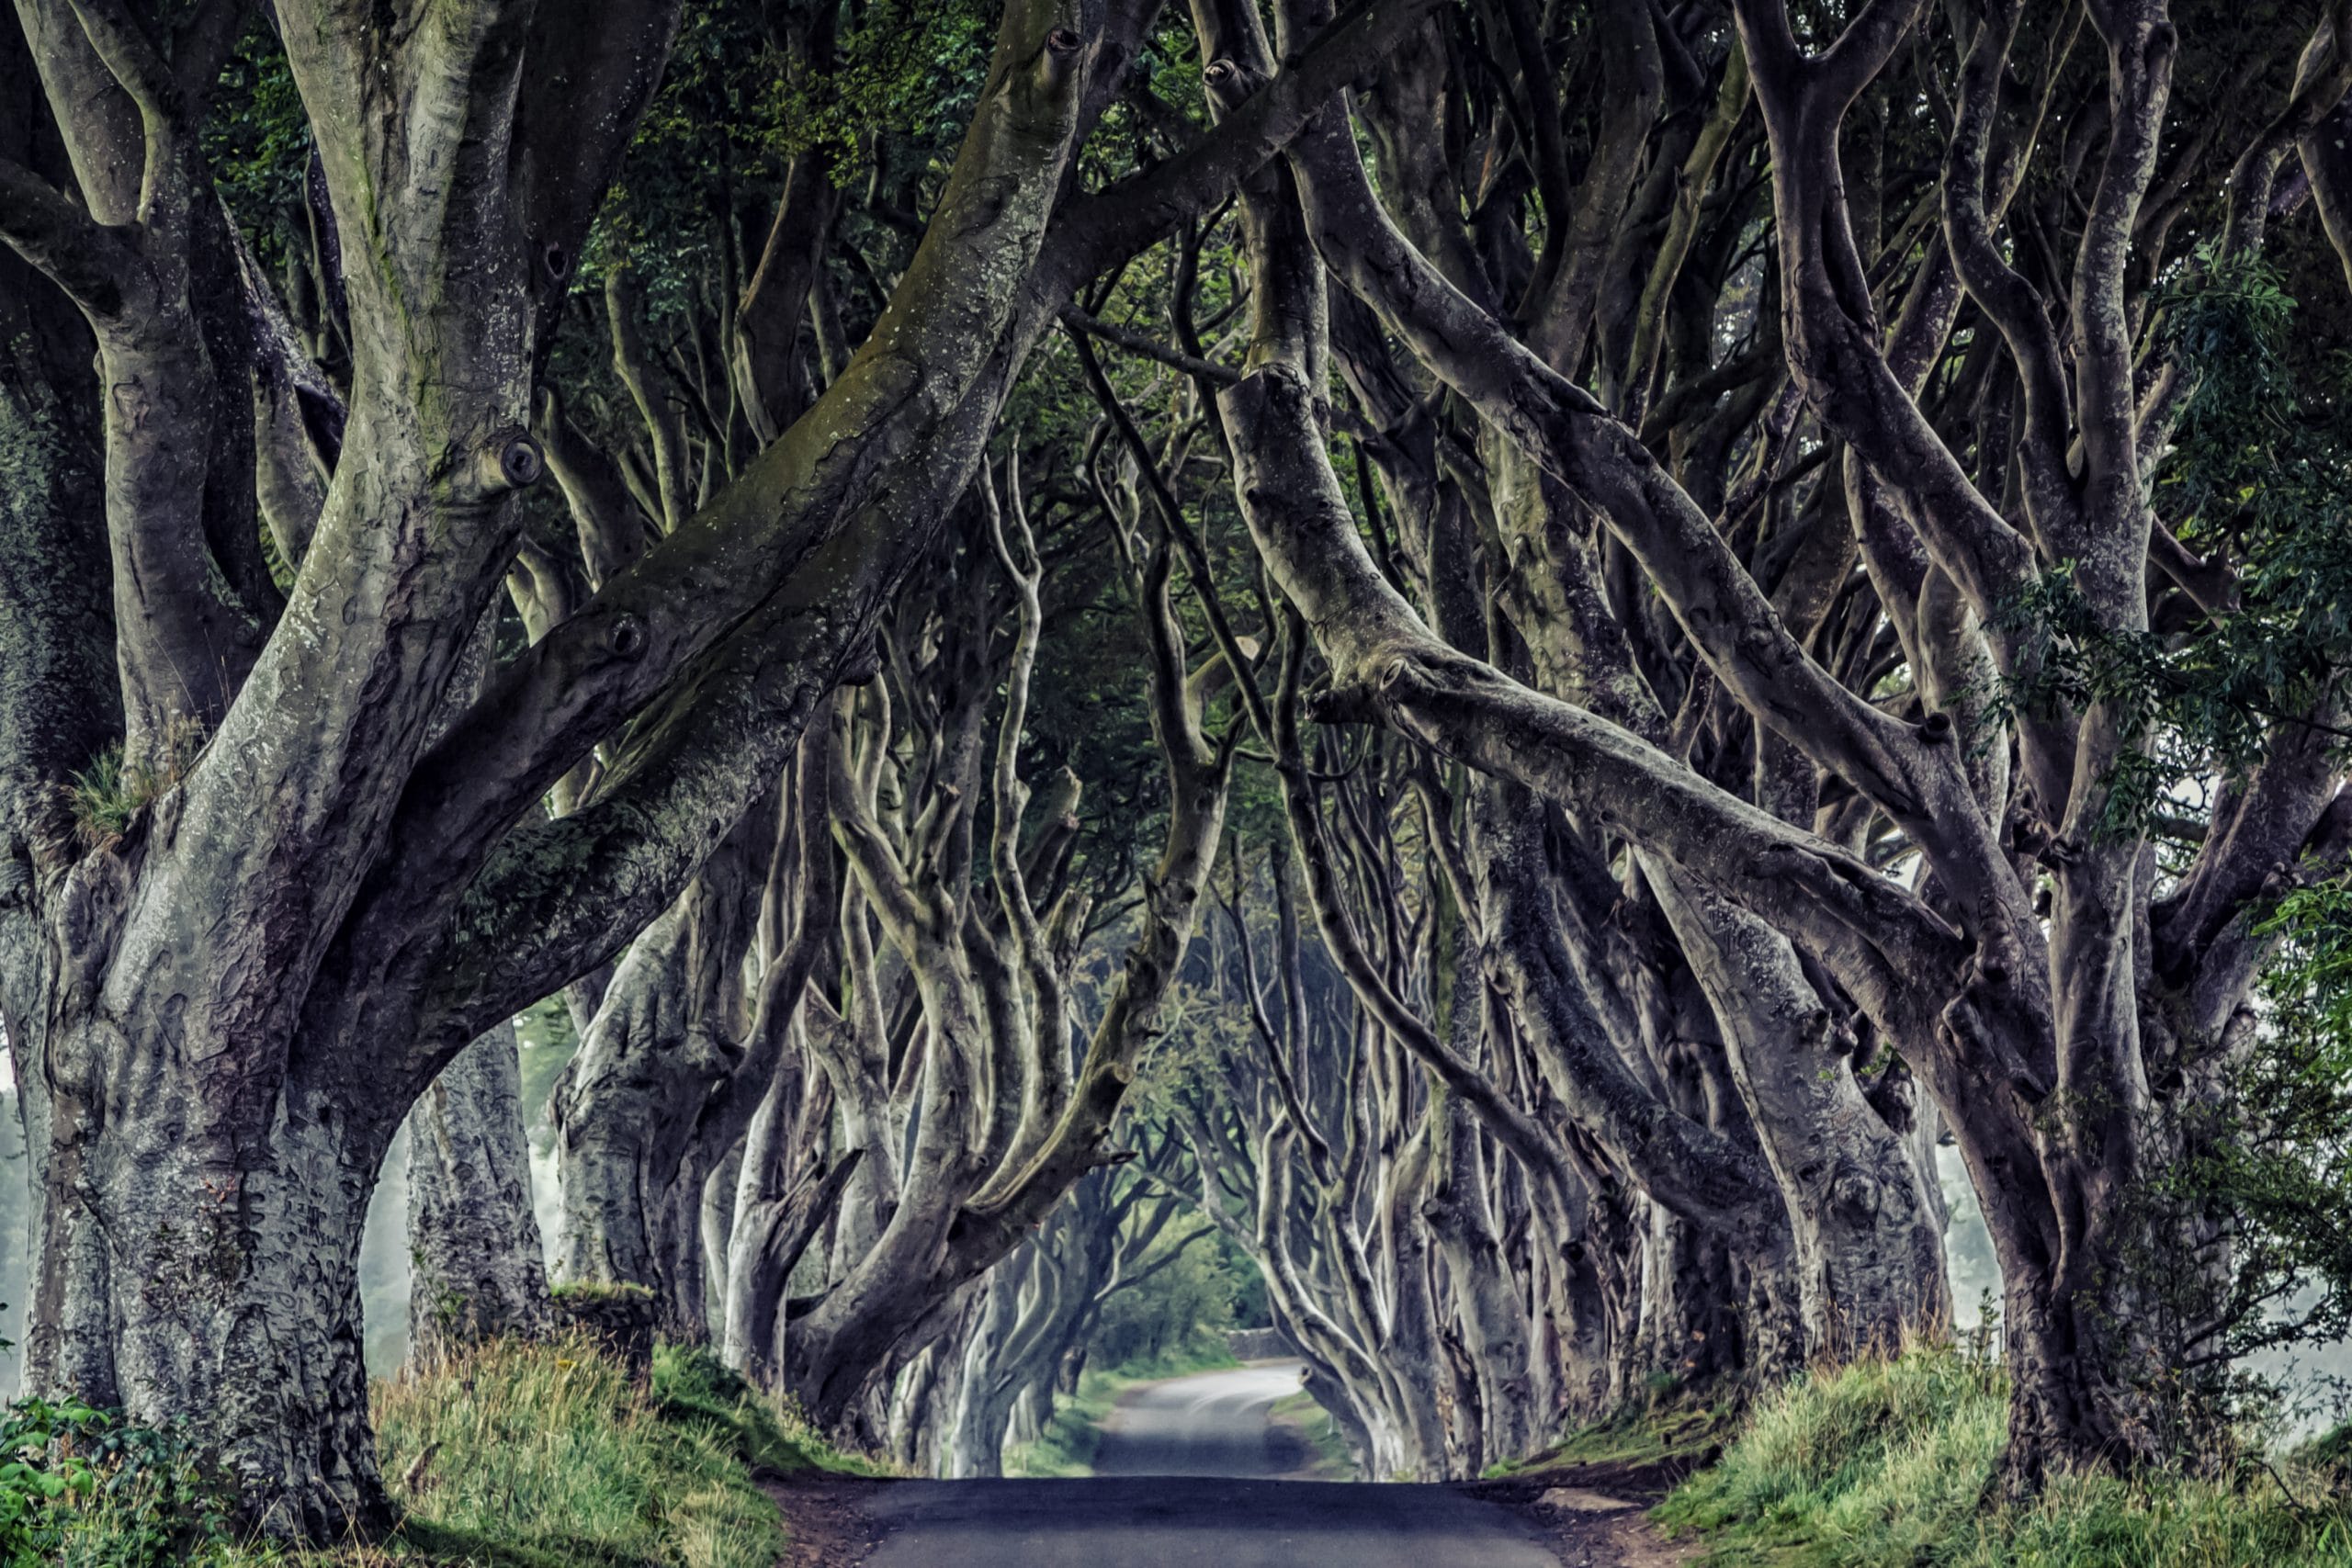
(1505, 658)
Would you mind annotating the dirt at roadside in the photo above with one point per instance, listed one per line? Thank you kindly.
(824, 1516)
(1596, 1515)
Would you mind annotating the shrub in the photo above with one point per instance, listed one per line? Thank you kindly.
(84, 1488)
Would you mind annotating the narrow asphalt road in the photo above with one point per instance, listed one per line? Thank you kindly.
(1183, 1487)
(1214, 1423)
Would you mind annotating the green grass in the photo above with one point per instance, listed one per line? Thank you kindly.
(1066, 1446)
(108, 797)
(692, 1387)
(1666, 1428)
(1305, 1414)
(551, 1456)
(1886, 1464)
(551, 1453)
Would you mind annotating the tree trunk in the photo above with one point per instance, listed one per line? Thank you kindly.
(1690, 1316)
(780, 1210)
(1485, 1295)
(1414, 1353)
(1869, 1236)
(2088, 1377)
(974, 1446)
(208, 1263)
(478, 1269)
(628, 1107)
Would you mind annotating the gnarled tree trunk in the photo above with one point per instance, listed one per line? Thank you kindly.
(478, 1269)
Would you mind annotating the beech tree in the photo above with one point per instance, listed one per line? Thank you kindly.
(1725, 593)
(2032, 968)
(220, 1011)
(1779, 795)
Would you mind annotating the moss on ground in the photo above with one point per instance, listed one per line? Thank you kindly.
(1667, 1432)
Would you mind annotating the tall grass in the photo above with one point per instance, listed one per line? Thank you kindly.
(516, 1452)
(549, 1455)
(1888, 1464)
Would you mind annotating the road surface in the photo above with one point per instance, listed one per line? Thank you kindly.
(1216, 1423)
(1182, 1486)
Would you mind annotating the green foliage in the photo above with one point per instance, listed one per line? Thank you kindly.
(909, 69)
(1179, 1313)
(256, 140)
(740, 100)
(1888, 1464)
(2284, 1172)
(2077, 662)
(84, 1487)
(2258, 472)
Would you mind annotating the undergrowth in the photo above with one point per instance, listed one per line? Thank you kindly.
(1886, 1464)
(511, 1456)
(1668, 1426)
(79, 1486)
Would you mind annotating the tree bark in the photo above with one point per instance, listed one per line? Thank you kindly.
(668, 1035)
(478, 1270)
(213, 1265)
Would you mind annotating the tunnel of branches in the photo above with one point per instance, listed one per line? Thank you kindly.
(1551, 669)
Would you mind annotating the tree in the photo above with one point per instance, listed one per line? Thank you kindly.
(292, 906)
(1710, 553)
(2045, 1043)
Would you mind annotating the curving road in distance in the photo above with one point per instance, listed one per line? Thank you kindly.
(1214, 1423)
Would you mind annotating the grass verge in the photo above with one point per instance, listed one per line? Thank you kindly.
(1665, 1432)
(1885, 1464)
(532, 1456)
(1305, 1414)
